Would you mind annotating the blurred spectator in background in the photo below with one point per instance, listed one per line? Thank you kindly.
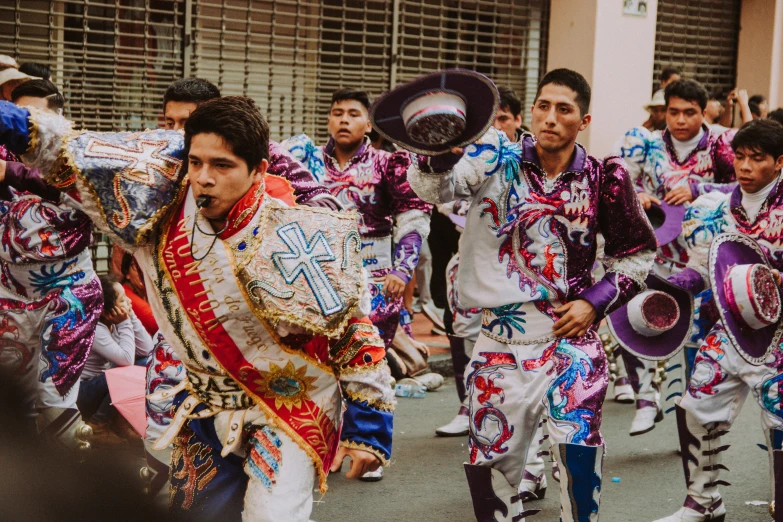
(759, 106)
(657, 110)
(41, 94)
(120, 340)
(509, 116)
(182, 97)
(714, 112)
(777, 115)
(36, 70)
(10, 76)
(670, 75)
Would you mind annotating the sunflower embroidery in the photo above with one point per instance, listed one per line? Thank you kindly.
(288, 386)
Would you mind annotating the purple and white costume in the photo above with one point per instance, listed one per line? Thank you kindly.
(393, 221)
(528, 247)
(50, 302)
(658, 164)
(721, 378)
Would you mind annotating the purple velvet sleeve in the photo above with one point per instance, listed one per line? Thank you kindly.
(307, 190)
(20, 177)
(401, 195)
(406, 256)
(689, 280)
(609, 294)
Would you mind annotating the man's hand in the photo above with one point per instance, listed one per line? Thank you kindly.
(647, 200)
(679, 195)
(2, 170)
(575, 318)
(361, 462)
(393, 287)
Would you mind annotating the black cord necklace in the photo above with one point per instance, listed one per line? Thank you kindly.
(215, 236)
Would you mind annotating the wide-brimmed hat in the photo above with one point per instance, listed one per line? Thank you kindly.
(436, 112)
(655, 324)
(658, 100)
(666, 220)
(10, 74)
(747, 296)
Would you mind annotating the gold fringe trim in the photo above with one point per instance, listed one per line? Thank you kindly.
(364, 447)
(373, 402)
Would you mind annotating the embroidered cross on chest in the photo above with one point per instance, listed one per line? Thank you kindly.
(305, 258)
(144, 157)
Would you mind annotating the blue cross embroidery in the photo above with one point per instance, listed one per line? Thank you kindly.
(305, 258)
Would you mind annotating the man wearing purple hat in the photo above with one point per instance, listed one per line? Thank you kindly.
(733, 360)
(527, 253)
(675, 166)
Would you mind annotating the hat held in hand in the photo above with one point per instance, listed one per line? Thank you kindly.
(437, 112)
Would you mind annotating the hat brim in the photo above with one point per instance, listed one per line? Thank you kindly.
(727, 251)
(666, 220)
(660, 347)
(458, 220)
(478, 92)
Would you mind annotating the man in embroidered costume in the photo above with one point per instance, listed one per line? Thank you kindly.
(537, 208)
(50, 303)
(260, 302)
(393, 221)
(722, 377)
(677, 165)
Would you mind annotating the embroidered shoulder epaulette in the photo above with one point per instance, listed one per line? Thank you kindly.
(303, 267)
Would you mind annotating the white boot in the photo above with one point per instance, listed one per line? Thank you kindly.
(458, 427)
(647, 414)
(623, 391)
(701, 451)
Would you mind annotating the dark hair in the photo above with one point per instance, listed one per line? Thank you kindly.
(688, 90)
(758, 99)
(39, 89)
(190, 90)
(110, 295)
(36, 69)
(668, 72)
(574, 81)
(776, 115)
(715, 96)
(760, 136)
(351, 94)
(238, 121)
(510, 101)
(754, 109)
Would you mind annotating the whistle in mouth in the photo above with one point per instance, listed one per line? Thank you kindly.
(203, 201)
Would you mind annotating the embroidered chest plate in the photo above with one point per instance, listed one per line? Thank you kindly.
(303, 266)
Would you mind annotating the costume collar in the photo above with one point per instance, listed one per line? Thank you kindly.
(702, 145)
(530, 155)
(244, 210)
(358, 155)
(735, 202)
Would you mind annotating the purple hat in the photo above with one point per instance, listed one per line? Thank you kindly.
(666, 220)
(436, 112)
(655, 324)
(458, 220)
(747, 296)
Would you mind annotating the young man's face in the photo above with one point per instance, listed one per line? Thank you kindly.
(755, 169)
(32, 101)
(177, 113)
(214, 170)
(683, 118)
(348, 123)
(507, 122)
(556, 118)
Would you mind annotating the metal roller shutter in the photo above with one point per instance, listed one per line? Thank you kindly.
(700, 37)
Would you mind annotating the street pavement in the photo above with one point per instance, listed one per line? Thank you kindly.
(426, 481)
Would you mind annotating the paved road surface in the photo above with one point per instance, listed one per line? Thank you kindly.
(426, 482)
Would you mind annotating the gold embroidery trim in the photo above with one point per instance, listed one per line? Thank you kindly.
(373, 402)
(362, 446)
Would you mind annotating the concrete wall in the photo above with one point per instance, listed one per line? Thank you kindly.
(615, 53)
(760, 49)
